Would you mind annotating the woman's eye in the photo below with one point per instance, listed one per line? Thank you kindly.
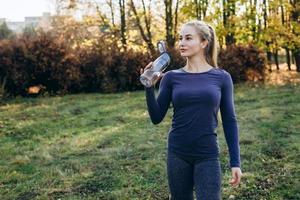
(186, 38)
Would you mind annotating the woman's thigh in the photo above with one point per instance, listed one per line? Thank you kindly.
(208, 180)
(180, 178)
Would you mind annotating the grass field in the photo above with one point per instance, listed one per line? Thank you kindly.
(104, 146)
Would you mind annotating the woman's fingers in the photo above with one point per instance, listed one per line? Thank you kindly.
(234, 180)
(147, 67)
(236, 176)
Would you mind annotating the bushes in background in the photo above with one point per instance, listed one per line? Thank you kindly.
(47, 61)
(42, 60)
(244, 63)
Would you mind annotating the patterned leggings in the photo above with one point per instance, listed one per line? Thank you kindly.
(185, 174)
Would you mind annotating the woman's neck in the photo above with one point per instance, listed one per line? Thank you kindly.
(197, 64)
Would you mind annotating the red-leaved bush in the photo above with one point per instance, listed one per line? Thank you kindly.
(244, 63)
(47, 61)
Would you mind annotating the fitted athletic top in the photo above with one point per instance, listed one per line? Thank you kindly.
(196, 100)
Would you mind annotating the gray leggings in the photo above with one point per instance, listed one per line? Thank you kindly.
(185, 173)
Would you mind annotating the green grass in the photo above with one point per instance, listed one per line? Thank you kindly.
(104, 146)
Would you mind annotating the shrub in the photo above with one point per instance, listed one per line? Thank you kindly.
(244, 63)
(41, 60)
(46, 61)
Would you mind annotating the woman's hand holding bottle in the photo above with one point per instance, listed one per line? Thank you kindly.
(149, 66)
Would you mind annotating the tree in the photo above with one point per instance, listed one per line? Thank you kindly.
(295, 22)
(5, 32)
(171, 25)
(201, 7)
(146, 34)
(123, 23)
(229, 8)
(29, 32)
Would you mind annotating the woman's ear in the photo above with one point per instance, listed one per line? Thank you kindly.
(204, 44)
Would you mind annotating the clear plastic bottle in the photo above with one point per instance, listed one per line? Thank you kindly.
(158, 66)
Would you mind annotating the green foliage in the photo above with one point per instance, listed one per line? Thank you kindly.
(29, 31)
(5, 32)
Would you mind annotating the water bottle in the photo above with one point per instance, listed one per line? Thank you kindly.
(158, 66)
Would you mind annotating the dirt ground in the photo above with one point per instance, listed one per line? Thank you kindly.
(283, 75)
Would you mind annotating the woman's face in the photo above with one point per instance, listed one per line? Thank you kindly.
(189, 42)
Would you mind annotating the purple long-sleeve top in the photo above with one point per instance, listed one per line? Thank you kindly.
(196, 100)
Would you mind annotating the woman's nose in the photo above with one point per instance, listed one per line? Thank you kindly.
(181, 43)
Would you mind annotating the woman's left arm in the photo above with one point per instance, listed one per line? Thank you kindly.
(230, 126)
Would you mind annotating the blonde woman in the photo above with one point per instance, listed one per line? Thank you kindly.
(197, 91)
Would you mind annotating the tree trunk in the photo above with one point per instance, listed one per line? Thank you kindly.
(296, 54)
(169, 23)
(110, 4)
(269, 53)
(294, 16)
(253, 19)
(123, 24)
(176, 21)
(201, 9)
(146, 37)
(276, 59)
(229, 10)
(269, 59)
(288, 58)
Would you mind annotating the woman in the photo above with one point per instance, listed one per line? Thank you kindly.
(197, 91)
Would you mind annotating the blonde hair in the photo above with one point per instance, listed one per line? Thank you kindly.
(207, 32)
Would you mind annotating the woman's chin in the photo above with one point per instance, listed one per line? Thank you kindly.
(185, 54)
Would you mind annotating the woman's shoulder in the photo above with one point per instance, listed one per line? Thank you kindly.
(223, 72)
(220, 69)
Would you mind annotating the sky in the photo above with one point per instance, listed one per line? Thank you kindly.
(17, 10)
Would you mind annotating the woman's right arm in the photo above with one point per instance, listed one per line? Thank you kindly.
(157, 108)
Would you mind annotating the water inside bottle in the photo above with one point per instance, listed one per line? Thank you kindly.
(148, 77)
